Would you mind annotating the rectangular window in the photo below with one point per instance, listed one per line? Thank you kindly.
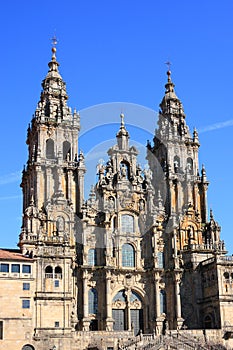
(26, 304)
(26, 286)
(160, 259)
(1, 329)
(15, 268)
(56, 324)
(26, 268)
(4, 267)
(56, 283)
(127, 223)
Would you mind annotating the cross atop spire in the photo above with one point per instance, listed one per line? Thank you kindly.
(54, 41)
(54, 49)
(168, 63)
(122, 120)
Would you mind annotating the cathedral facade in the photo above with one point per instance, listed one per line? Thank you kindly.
(139, 260)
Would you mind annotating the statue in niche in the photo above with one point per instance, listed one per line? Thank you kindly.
(111, 203)
(109, 173)
(141, 205)
(60, 225)
(139, 174)
(123, 173)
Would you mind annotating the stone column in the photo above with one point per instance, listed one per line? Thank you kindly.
(86, 321)
(179, 196)
(109, 319)
(48, 183)
(196, 197)
(128, 315)
(159, 317)
(157, 301)
(205, 206)
(69, 190)
(176, 260)
(179, 319)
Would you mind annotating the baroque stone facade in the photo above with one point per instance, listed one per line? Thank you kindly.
(140, 262)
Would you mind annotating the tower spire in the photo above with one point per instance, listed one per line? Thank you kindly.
(123, 135)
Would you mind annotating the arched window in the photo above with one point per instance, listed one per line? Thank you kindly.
(163, 302)
(208, 323)
(128, 255)
(48, 272)
(176, 163)
(50, 149)
(114, 223)
(66, 150)
(92, 257)
(127, 223)
(28, 347)
(226, 275)
(92, 301)
(134, 296)
(58, 272)
(119, 296)
(160, 259)
(189, 165)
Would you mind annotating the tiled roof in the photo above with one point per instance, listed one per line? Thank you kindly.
(7, 255)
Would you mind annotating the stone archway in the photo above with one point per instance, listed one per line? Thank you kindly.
(127, 311)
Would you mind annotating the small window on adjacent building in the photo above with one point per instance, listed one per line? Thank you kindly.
(15, 268)
(56, 283)
(48, 272)
(56, 324)
(26, 286)
(1, 329)
(26, 268)
(4, 267)
(26, 304)
(58, 272)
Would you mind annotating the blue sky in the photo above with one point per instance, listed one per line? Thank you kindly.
(114, 51)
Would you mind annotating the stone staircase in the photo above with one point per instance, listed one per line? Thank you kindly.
(170, 341)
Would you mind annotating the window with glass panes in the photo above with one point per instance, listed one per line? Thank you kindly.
(92, 301)
(128, 255)
(92, 257)
(127, 223)
(160, 259)
(162, 301)
(26, 304)
(26, 269)
(26, 286)
(15, 268)
(4, 267)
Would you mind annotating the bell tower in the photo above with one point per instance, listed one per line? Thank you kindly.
(173, 160)
(52, 185)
